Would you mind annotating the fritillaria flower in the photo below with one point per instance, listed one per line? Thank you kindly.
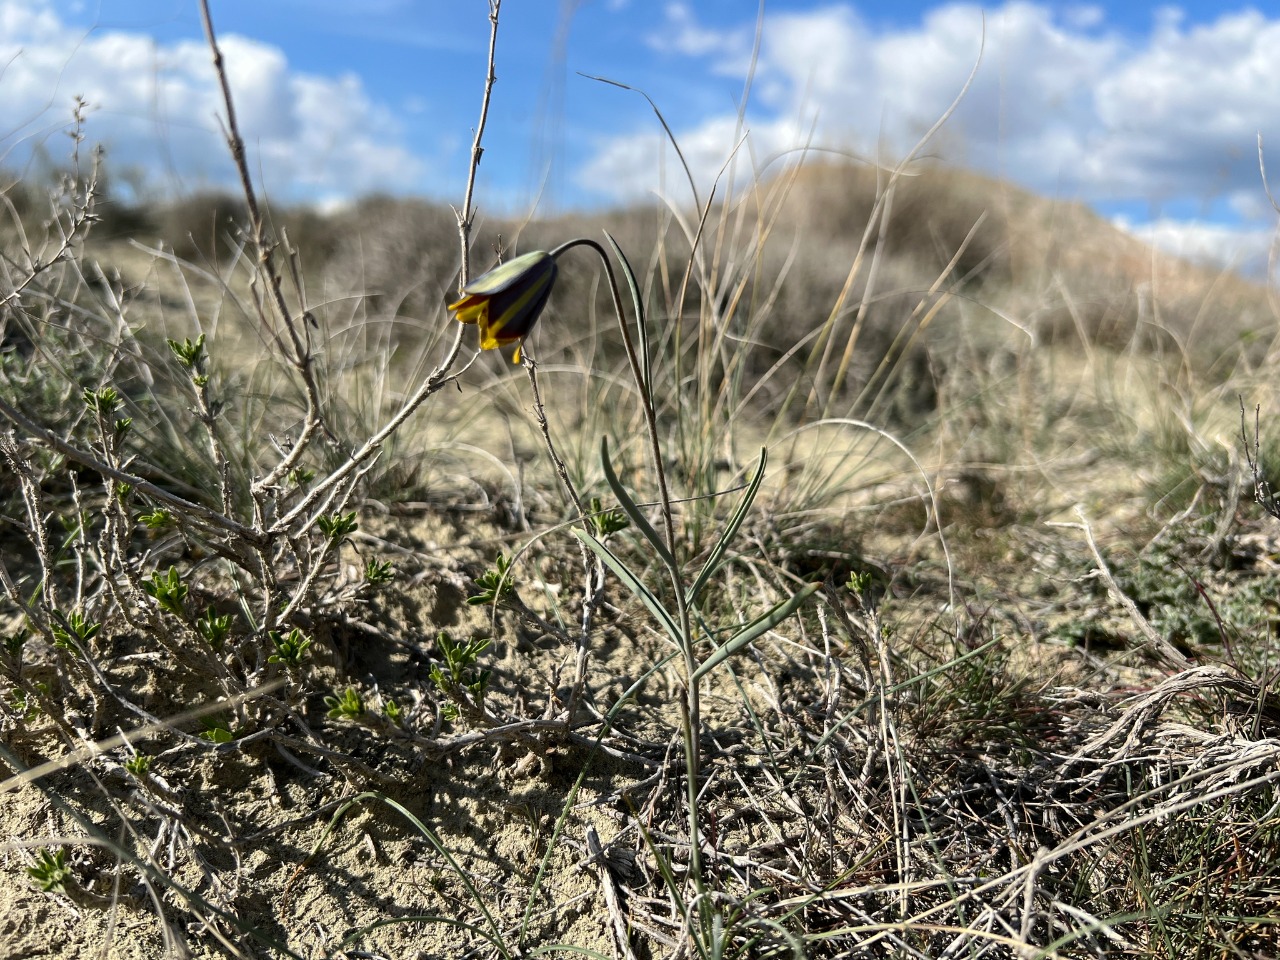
(506, 301)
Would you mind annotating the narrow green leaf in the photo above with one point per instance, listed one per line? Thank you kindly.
(730, 531)
(642, 324)
(633, 584)
(755, 629)
(629, 507)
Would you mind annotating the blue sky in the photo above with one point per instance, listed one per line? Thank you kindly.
(1149, 112)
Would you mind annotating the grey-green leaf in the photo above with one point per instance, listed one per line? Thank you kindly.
(633, 511)
(755, 629)
(642, 326)
(730, 531)
(633, 583)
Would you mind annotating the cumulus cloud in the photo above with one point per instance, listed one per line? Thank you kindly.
(683, 34)
(1059, 102)
(1244, 250)
(155, 108)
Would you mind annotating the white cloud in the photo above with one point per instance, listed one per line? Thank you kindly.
(1182, 115)
(683, 34)
(645, 162)
(880, 92)
(156, 106)
(1059, 102)
(1243, 249)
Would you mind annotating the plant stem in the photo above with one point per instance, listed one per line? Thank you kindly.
(591, 565)
(692, 701)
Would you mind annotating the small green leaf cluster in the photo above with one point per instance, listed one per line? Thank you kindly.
(215, 629)
(348, 706)
(191, 355)
(496, 583)
(157, 519)
(377, 572)
(51, 872)
(604, 523)
(338, 526)
(291, 648)
(105, 402)
(393, 712)
(13, 644)
(216, 730)
(74, 626)
(168, 591)
(863, 588)
(25, 704)
(859, 581)
(457, 674)
(139, 765)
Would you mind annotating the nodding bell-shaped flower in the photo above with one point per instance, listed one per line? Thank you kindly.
(507, 300)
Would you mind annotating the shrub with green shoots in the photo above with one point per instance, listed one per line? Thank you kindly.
(457, 676)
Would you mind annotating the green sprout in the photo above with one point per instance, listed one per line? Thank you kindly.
(26, 704)
(51, 872)
(302, 476)
(139, 765)
(602, 523)
(190, 354)
(104, 401)
(858, 582)
(214, 629)
(216, 730)
(338, 526)
(157, 519)
(168, 591)
(495, 584)
(392, 711)
(14, 642)
(379, 572)
(457, 673)
(78, 626)
(291, 649)
(349, 706)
